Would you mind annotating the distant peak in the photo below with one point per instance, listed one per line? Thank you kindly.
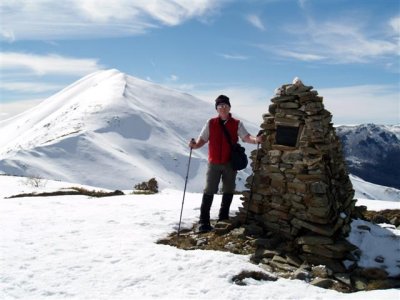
(109, 72)
(113, 70)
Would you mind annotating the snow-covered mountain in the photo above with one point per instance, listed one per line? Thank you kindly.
(367, 190)
(111, 130)
(372, 152)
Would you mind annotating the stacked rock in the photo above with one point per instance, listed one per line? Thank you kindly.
(301, 188)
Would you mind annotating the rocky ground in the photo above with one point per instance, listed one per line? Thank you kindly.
(389, 216)
(280, 258)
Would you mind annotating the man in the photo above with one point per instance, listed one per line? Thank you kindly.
(219, 152)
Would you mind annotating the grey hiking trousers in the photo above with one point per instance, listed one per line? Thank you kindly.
(214, 174)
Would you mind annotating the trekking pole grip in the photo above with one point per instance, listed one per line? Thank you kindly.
(192, 141)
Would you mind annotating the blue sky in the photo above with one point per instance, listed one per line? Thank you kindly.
(348, 50)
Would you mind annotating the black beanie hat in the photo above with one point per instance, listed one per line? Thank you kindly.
(222, 99)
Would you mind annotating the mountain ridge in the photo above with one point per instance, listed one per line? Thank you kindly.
(128, 128)
(114, 130)
(372, 147)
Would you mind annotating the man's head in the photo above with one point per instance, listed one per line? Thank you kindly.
(221, 100)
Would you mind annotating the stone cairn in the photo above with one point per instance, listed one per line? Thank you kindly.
(301, 190)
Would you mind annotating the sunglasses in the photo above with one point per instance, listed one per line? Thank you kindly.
(223, 106)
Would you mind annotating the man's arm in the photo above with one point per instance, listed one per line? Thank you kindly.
(247, 137)
(252, 139)
(203, 137)
(197, 144)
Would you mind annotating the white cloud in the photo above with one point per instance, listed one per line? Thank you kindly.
(7, 35)
(30, 87)
(377, 104)
(175, 12)
(395, 24)
(8, 110)
(47, 19)
(300, 56)
(302, 3)
(173, 77)
(349, 43)
(24, 72)
(255, 21)
(360, 104)
(234, 56)
(103, 11)
(339, 41)
(48, 64)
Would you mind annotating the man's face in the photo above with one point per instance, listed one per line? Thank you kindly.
(223, 110)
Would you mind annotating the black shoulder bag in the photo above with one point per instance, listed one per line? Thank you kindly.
(239, 159)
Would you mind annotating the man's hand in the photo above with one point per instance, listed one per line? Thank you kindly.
(192, 144)
(253, 139)
(260, 139)
(196, 145)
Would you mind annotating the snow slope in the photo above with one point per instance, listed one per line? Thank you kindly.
(76, 247)
(111, 130)
(372, 147)
(367, 190)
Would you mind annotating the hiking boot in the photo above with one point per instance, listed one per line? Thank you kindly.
(225, 205)
(203, 228)
(204, 222)
(205, 207)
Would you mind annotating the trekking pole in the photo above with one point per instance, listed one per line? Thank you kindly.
(252, 183)
(184, 190)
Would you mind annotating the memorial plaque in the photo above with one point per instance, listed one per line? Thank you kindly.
(286, 135)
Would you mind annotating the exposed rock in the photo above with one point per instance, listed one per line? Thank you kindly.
(360, 283)
(379, 219)
(393, 215)
(321, 271)
(150, 186)
(395, 221)
(284, 261)
(325, 283)
(267, 268)
(222, 227)
(282, 266)
(201, 242)
(379, 259)
(333, 264)
(279, 259)
(314, 240)
(293, 260)
(301, 274)
(343, 277)
(364, 227)
(302, 190)
(374, 273)
(238, 279)
(238, 232)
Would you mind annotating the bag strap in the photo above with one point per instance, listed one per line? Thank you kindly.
(226, 132)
